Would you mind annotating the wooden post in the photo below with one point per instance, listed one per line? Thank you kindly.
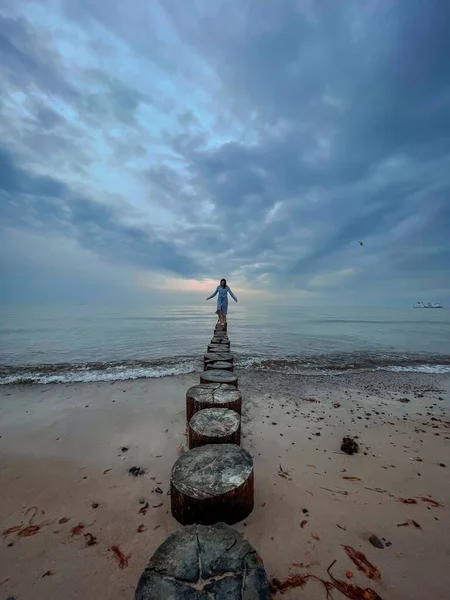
(220, 365)
(220, 334)
(212, 395)
(219, 377)
(212, 483)
(198, 562)
(214, 426)
(220, 340)
(218, 347)
(212, 357)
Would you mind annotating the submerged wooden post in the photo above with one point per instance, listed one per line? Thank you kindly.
(212, 395)
(217, 376)
(212, 483)
(198, 562)
(214, 426)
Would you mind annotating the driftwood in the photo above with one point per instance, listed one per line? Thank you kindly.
(217, 376)
(200, 563)
(214, 426)
(211, 484)
(212, 395)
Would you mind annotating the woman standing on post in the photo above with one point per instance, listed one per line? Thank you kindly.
(222, 300)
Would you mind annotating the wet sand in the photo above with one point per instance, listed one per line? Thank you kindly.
(62, 451)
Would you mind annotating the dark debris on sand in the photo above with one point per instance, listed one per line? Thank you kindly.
(136, 471)
(349, 446)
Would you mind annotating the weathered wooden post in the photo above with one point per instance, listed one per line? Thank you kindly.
(212, 395)
(220, 365)
(212, 483)
(198, 562)
(214, 426)
(212, 357)
(217, 376)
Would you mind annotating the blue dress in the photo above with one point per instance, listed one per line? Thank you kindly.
(222, 298)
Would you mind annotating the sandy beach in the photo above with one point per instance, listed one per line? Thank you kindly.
(70, 508)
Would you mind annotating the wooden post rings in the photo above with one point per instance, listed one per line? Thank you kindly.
(211, 484)
(214, 426)
(198, 562)
(212, 395)
(217, 376)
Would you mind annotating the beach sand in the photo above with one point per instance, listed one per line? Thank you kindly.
(62, 453)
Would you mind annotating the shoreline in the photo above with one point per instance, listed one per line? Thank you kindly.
(306, 365)
(60, 451)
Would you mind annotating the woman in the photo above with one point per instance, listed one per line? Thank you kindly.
(222, 300)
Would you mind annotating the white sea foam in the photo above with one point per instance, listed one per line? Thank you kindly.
(113, 374)
(88, 373)
(417, 369)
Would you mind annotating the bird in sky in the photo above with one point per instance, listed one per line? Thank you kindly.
(361, 243)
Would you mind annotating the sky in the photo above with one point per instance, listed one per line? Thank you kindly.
(149, 149)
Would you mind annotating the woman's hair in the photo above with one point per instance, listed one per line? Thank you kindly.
(224, 281)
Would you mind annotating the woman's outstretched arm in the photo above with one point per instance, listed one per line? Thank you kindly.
(212, 295)
(232, 295)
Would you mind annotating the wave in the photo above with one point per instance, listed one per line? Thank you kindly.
(92, 372)
(438, 369)
(345, 362)
(327, 364)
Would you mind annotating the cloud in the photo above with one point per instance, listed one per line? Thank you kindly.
(260, 142)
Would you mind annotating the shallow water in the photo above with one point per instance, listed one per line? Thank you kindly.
(86, 343)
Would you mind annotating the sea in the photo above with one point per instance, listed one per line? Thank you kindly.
(44, 345)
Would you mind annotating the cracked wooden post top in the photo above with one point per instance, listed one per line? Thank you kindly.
(219, 377)
(211, 484)
(201, 563)
(212, 395)
(214, 426)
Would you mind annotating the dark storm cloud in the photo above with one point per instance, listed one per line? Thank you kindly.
(279, 133)
(372, 84)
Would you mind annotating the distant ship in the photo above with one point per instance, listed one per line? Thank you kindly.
(427, 305)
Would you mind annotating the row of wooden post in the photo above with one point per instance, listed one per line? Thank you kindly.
(213, 481)
(211, 488)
